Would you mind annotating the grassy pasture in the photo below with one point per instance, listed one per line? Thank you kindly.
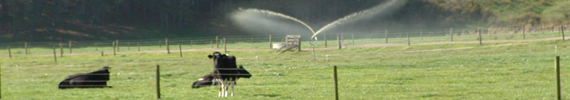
(512, 70)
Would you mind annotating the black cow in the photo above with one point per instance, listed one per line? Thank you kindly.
(96, 79)
(226, 72)
(208, 80)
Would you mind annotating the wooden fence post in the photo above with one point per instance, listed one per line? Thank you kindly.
(335, 83)
(70, 47)
(562, 30)
(299, 46)
(117, 46)
(480, 38)
(270, 44)
(9, 52)
(158, 81)
(225, 47)
(408, 35)
(451, 33)
(60, 49)
(338, 40)
(54, 55)
(217, 45)
(114, 49)
(167, 46)
(26, 46)
(557, 69)
(386, 35)
(180, 48)
(222, 42)
(325, 36)
(128, 46)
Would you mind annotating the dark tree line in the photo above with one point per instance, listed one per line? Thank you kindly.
(62, 20)
(44, 19)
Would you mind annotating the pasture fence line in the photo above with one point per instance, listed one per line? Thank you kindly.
(260, 41)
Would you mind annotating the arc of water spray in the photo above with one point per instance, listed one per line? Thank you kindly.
(362, 14)
(267, 12)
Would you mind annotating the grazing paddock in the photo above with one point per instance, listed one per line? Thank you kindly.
(513, 70)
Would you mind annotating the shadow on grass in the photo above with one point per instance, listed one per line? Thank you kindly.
(267, 95)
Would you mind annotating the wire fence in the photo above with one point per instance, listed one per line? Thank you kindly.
(265, 42)
(35, 78)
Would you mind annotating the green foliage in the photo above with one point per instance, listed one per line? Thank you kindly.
(559, 13)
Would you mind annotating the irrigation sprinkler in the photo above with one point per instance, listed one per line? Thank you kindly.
(314, 44)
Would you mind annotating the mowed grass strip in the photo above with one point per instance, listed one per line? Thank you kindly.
(513, 70)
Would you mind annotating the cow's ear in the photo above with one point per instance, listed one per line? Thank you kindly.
(210, 56)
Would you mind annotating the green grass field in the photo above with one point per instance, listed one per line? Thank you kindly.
(509, 70)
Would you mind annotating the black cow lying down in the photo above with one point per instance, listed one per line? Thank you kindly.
(209, 80)
(96, 79)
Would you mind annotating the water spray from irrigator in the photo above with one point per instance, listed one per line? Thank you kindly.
(265, 18)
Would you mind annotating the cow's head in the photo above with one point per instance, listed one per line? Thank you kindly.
(107, 68)
(216, 55)
(103, 70)
(243, 73)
